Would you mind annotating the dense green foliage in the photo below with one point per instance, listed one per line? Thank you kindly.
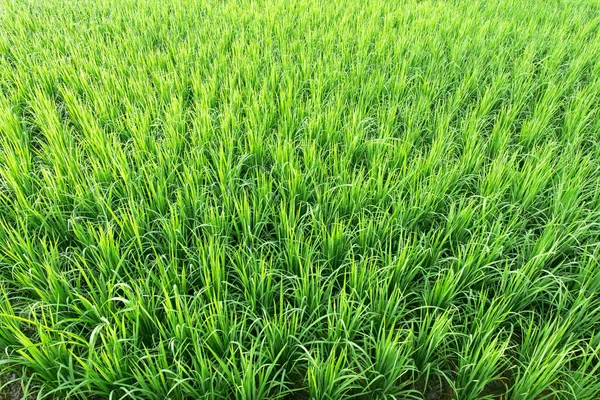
(298, 199)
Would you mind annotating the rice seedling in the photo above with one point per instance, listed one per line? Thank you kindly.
(299, 199)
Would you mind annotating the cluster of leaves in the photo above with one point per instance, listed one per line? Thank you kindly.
(300, 199)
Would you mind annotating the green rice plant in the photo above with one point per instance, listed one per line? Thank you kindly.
(393, 372)
(299, 199)
(330, 377)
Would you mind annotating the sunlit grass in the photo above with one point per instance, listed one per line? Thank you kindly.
(300, 199)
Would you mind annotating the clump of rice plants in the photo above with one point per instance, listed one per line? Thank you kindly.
(299, 199)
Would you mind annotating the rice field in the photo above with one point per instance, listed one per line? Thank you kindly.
(299, 199)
